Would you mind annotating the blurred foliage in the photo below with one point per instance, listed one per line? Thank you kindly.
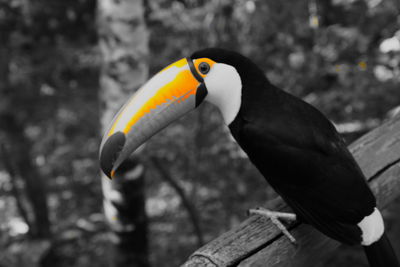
(340, 55)
(51, 92)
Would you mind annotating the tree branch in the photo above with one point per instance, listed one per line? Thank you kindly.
(192, 212)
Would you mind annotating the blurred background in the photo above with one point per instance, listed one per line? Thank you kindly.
(66, 66)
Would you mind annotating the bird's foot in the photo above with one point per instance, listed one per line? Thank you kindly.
(275, 216)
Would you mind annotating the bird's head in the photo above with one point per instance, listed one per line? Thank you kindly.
(214, 75)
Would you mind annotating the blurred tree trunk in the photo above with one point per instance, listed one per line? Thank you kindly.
(13, 130)
(123, 38)
(35, 189)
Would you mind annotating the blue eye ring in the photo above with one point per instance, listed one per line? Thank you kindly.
(204, 67)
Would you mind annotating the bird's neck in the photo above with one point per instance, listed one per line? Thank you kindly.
(258, 96)
(256, 93)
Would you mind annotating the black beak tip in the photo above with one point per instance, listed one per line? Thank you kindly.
(110, 151)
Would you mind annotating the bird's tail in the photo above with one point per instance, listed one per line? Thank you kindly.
(381, 253)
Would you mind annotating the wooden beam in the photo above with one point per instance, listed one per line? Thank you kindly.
(257, 242)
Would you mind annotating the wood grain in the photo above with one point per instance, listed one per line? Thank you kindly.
(257, 242)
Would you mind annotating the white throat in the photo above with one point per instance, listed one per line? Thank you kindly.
(224, 88)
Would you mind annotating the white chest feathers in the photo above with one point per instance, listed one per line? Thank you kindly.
(372, 228)
(224, 88)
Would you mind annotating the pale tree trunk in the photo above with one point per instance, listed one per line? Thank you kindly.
(123, 38)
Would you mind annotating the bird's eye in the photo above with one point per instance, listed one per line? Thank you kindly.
(204, 67)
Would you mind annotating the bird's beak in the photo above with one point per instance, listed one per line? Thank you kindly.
(171, 93)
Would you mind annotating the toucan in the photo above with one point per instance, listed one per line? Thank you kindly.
(294, 146)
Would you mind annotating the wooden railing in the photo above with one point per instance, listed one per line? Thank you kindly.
(257, 242)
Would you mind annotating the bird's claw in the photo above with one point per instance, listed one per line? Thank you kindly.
(275, 216)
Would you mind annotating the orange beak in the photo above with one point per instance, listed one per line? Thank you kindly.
(171, 93)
